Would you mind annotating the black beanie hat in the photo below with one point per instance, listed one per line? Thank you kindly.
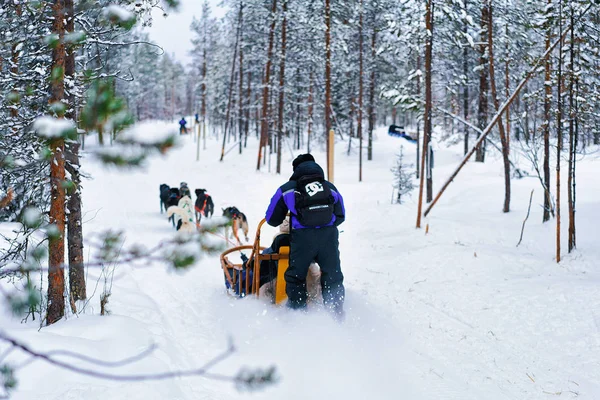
(302, 158)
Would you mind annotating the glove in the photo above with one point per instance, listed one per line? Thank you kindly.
(244, 258)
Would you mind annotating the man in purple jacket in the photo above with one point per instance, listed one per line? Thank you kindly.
(316, 208)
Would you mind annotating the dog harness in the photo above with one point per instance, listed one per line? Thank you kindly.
(201, 210)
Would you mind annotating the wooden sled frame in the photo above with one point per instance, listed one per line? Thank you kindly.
(282, 258)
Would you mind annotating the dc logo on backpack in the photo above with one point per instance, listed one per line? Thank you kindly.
(313, 188)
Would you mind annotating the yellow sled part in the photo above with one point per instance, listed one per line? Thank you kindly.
(255, 259)
(282, 266)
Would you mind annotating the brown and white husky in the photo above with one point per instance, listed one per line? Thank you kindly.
(238, 221)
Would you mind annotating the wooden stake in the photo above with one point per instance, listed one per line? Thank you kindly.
(198, 143)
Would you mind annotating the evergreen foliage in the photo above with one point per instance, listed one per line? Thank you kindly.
(403, 177)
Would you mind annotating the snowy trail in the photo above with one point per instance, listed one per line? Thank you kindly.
(460, 313)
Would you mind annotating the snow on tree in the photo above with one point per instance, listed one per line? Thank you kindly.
(403, 177)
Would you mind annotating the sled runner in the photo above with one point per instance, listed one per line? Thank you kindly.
(242, 279)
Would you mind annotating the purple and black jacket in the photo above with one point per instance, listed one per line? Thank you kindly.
(284, 199)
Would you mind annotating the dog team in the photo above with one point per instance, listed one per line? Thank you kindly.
(186, 216)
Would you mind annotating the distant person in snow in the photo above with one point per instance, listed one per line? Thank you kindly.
(317, 209)
(182, 124)
(196, 118)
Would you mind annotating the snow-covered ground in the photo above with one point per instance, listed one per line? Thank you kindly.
(458, 313)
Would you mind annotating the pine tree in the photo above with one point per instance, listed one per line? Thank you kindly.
(403, 179)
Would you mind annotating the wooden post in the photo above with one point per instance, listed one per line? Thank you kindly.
(330, 148)
(198, 142)
(193, 128)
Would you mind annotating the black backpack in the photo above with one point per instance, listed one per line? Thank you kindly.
(314, 201)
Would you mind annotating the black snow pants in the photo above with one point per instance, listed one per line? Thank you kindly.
(319, 245)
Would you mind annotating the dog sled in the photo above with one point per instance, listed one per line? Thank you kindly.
(244, 279)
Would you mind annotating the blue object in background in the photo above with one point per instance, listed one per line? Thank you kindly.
(398, 131)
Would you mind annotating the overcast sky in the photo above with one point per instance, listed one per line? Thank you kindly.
(173, 33)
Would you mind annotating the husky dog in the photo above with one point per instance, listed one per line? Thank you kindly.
(204, 205)
(186, 206)
(185, 222)
(165, 192)
(238, 220)
(173, 200)
(184, 190)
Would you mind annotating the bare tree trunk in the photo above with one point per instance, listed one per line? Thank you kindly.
(264, 122)
(281, 85)
(507, 86)
(351, 124)
(526, 107)
(310, 111)
(327, 77)
(546, 125)
(272, 141)
(248, 106)
(203, 86)
(56, 244)
(257, 119)
(360, 91)
(428, 102)
(483, 83)
(77, 287)
(503, 140)
(419, 144)
(371, 109)
(241, 87)
(559, 136)
(203, 107)
(572, 148)
(575, 147)
(428, 119)
(231, 83)
(351, 117)
(231, 131)
(298, 100)
(466, 83)
(14, 68)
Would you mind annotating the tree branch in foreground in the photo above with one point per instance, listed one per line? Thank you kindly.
(246, 379)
